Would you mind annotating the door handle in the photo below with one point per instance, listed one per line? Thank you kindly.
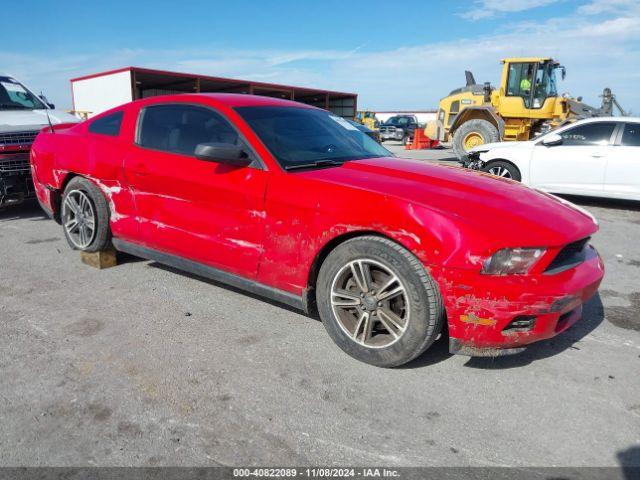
(597, 155)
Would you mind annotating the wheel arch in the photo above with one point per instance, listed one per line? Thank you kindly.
(323, 253)
(510, 162)
(59, 192)
(56, 194)
(481, 112)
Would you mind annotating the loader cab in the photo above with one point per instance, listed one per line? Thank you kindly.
(529, 87)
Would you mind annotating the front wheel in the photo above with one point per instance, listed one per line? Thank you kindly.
(503, 170)
(473, 133)
(377, 301)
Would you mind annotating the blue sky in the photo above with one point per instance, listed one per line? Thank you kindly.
(403, 59)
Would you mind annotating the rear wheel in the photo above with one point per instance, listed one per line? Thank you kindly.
(472, 134)
(377, 301)
(85, 216)
(503, 170)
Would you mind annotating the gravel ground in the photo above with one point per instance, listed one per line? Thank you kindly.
(143, 365)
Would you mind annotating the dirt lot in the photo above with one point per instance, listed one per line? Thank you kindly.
(142, 365)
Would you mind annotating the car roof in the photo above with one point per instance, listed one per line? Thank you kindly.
(607, 119)
(234, 100)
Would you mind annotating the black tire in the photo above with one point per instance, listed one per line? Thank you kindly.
(484, 128)
(425, 314)
(513, 172)
(102, 234)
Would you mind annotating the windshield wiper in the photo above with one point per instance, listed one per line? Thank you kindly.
(13, 106)
(319, 163)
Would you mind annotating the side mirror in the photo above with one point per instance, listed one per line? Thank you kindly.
(551, 140)
(226, 153)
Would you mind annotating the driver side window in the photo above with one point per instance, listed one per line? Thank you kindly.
(181, 128)
(589, 134)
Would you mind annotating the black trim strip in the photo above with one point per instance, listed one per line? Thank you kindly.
(211, 273)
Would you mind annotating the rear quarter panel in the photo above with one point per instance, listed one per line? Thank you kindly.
(58, 157)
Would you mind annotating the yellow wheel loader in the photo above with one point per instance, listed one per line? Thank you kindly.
(368, 119)
(525, 104)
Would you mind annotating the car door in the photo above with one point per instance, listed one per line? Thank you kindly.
(205, 211)
(622, 177)
(578, 164)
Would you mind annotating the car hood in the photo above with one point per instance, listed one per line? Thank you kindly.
(525, 217)
(491, 146)
(21, 120)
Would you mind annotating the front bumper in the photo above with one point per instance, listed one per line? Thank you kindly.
(16, 184)
(391, 134)
(472, 161)
(483, 309)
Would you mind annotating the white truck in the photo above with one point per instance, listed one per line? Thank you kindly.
(22, 115)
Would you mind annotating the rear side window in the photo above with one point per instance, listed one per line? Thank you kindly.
(598, 133)
(181, 128)
(631, 135)
(107, 125)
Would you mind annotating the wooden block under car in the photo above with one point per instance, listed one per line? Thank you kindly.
(101, 259)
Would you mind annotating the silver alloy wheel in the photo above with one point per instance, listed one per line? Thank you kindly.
(500, 172)
(370, 303)
(79, 218)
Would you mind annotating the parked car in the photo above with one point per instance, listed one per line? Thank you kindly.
(595, 157)
(22, 116)
(295, 204)
(399, 128)
(375, 134)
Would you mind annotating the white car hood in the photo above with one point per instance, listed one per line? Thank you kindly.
(492, 146)
(21, 120)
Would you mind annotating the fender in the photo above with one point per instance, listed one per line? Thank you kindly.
(484, 112)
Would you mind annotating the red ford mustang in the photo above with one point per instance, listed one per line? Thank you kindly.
(296, 204)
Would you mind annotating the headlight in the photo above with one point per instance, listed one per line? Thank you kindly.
(511, 261)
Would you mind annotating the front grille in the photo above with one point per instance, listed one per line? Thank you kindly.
(570, 256)
(388, 129)
(14, 163)
(17, 138)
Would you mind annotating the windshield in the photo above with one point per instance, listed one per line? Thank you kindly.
(300, 137)
(398, 121)
(14, 96)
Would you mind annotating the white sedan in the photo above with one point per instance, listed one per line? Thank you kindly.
(597, 157)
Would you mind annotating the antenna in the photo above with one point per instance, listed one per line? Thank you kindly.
(46, 111)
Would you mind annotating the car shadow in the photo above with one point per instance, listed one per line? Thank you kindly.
(593, 316)
(629, 460)
(29, 209)
(436, 353)
(176, 271)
